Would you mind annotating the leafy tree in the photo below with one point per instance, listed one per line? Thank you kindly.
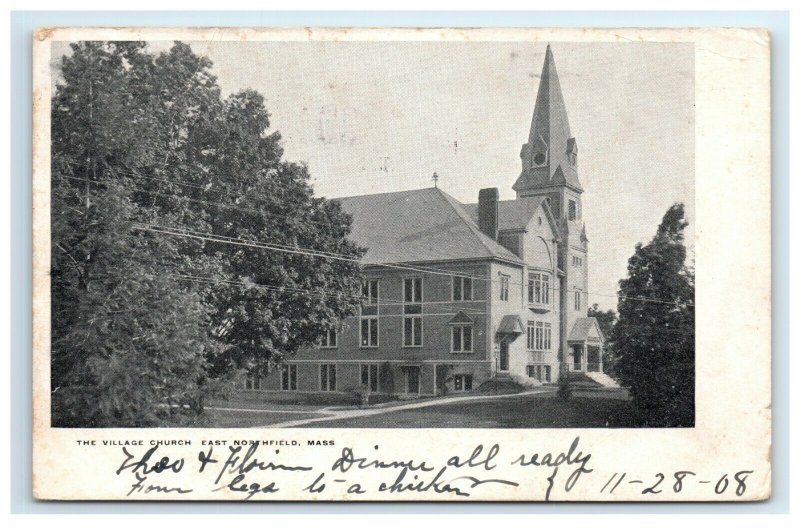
(654, 337)
(153, 301)
(606, 320)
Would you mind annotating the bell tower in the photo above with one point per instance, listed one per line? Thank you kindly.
(550, 170)
(550, 157)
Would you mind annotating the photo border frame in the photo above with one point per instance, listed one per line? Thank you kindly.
(22, 26)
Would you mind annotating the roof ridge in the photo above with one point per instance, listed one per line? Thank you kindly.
(377, 194)
(510, 210)
(503, 201)
(458, 208)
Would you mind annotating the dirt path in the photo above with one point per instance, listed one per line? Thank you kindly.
(270, 411)
(333, 415)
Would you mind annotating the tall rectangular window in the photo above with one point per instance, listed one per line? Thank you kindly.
(539, 335)
(572, 210)
(546, 336)
(412, 312)
(545, 288)
(504, 280)
(369, 376)
(531, 336)
(289, 377)
(253, 382)
(331, 339)
(412, 290)
(462, 288)
(369, 332)
(577, 300)
(461, 338)
(412, 331)
(327, 377)
(538, 288)
(369, 292)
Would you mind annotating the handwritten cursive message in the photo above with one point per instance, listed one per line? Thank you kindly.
(255, 470)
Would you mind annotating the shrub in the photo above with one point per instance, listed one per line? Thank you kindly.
(362, 395)
(497, 386)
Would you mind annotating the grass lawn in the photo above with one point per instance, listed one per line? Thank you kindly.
(296, 400)
(244, 419)
(527, 412)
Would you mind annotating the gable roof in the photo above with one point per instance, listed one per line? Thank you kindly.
(460, 318)
(418, 225)
(582, 327)
(510, 325)
(539, 177)
(514, 214)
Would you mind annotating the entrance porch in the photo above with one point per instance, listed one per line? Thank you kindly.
(586, 357)
(585, 346)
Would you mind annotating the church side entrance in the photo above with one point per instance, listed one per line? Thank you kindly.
(503, 361)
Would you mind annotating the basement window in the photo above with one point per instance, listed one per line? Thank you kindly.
(540, 372)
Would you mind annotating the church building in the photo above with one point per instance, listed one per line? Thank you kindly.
(459, 294)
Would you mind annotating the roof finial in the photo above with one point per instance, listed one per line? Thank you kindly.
(435, 179)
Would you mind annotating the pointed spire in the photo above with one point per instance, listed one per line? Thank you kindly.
(550, 156)
(550, 114)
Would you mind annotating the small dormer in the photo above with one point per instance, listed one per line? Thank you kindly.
(535, 153)
(539, 153)
(572, 152)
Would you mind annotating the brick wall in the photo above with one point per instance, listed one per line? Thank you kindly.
(438, 309)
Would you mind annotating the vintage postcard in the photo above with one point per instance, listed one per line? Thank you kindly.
(401, 264)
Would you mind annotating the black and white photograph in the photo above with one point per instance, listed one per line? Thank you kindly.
(412, 264)
(356, 234)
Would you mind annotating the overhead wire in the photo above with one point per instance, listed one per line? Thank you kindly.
(185, 232)
(182, 232)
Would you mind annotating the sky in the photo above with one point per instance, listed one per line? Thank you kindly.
(378, 117)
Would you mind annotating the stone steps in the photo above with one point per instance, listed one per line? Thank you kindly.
(580, 379)
(603, 379)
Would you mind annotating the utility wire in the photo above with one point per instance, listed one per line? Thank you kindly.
(309, 252)
(234, 207)
(320, 292)
(298, 250)
(300, 291)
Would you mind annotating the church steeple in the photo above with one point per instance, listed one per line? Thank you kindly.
(549, 158)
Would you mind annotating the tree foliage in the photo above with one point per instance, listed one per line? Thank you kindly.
(606, 320)
(144, 144)
(653, 341)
